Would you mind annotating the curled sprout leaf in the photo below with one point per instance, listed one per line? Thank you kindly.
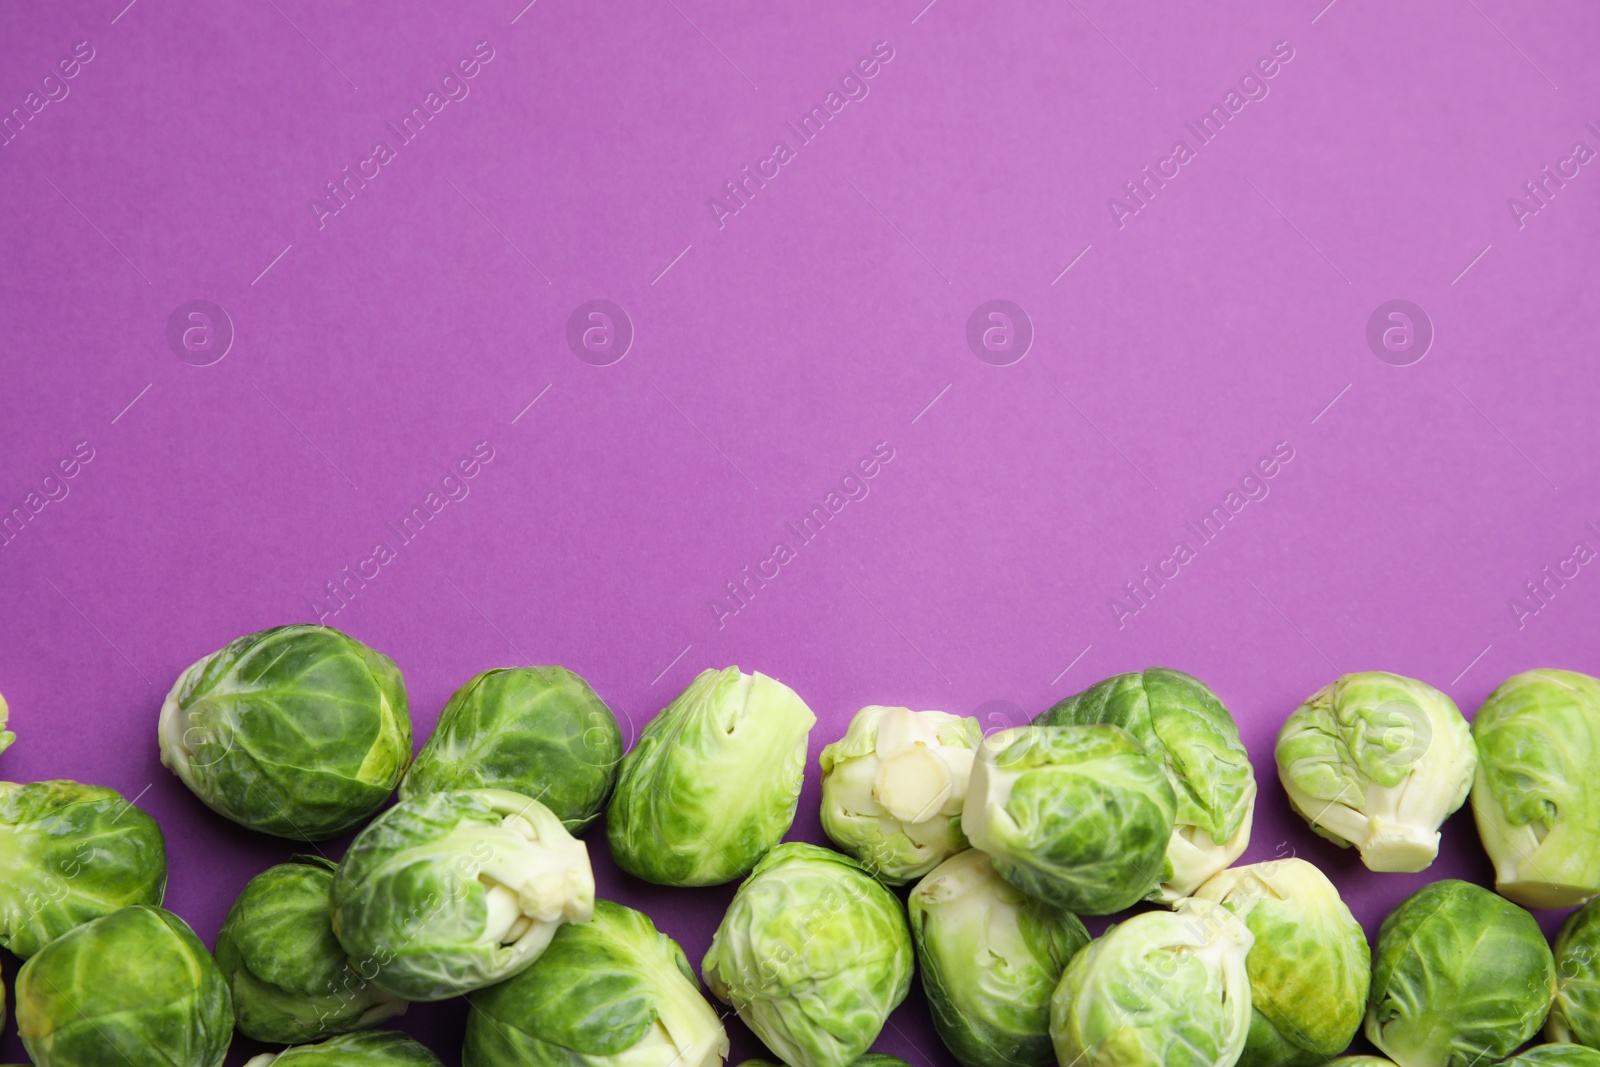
(375, 1049)
(1555, 1054)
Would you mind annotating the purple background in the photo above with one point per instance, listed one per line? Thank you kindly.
(373, 353)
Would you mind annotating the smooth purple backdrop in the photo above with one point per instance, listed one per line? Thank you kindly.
(375, 346)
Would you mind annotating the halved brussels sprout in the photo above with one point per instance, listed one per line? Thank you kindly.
(450, 892)
(539, 731)
(1378, 761)
(374, 1049)
(134, 988)
(1080, 816)
(1555, 1054)
(1575, 1014)
(712, 783)
(813, 954)
(1460, 976)
(1310, 967)
(611, 992)
(1179, 719)
(1163, 989)
(893, 786)
(990, 958)
(290, 978)
(1537, 797)
(70, 853)
(298, 731)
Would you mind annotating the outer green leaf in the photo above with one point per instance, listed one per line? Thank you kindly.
(1555, 1055)
(1575, 1014)
(376, 1049)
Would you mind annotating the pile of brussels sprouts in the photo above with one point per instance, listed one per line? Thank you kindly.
(1136, 792)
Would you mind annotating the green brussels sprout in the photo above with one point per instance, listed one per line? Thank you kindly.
(712, 783)
(870, 1059)
(134, 988)
(1362, 1061)
(70, 853)
(539, 731)
(1309, 968)
(1079, 816)
(375, 1049)
(1180, 721)
(990, 958)
(450, 892)
(893, 786)
(611, 992)
(1556, 1054)
(1378, 761)
(6, 736)
(298, 731)
(1536, 797)
(1575, 1014)
(813, 954)
(1163, 989)
(1460, 976)
(290, 978)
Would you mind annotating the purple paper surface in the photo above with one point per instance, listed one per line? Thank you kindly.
(1170, 319)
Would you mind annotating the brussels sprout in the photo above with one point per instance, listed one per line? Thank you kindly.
(611, 992)
(1361, 1061)
(6, 736)
(893, 786)
(376, 1049)
(713, 782)
(1536, 797)
(813, 954)
(1180, 720)
(1575, 1015)
(290, 979)
(1556, 1054)
(298, 731)
(539, 731)
(1163, 989)
(1378, 761)
(450, 892)
(70, 853)
(134, 988)
(1079, 816)
(870, 1059)
(990, 959)
(1460, 975)
(1309, 967)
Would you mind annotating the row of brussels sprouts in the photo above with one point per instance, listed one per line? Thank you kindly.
(1138, 789)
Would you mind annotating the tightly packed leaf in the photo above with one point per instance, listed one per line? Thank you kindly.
(1536, 797)
(1378, 761)
(298, 731)
(1461, 976)
(1079, 816)
(990, 958)
(70, 853)
(135, 988)
(540, 731)
(290, 979)
(1177, 718)
(450, 892)
(1309, 967)
(1163, 989)
(893, 787)
(712, 783)
(1575, 1013)
(380, 1049)
(611, 992)
(813, 954)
